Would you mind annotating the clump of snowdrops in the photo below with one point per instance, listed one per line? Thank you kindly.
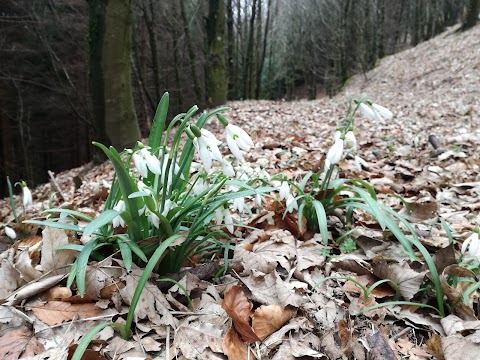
(166, 206)
(318, 195)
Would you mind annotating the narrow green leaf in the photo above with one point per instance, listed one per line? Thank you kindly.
(82, 262)
(126, 254)
(136, 250)
(68, 212)
(158, 126)
(322, 220)
(74, 247)
(12, 203)
(54, 224)
(102, 220)
(83, 344)
(144, 278)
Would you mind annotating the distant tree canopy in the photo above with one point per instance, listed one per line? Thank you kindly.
(203, 52)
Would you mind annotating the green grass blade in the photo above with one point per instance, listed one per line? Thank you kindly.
(144, 278)
(158, 126)
(12, 203)
(126, 254)
(55, 224)
(68, 212)
(322, 220)
(82, 262)
(102, 220)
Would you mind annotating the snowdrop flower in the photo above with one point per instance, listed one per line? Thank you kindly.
(334, 155)
(473, 245)
(381, 112)
(169, 204)
(207, 146)
(222, 215)
(27, 195)
(118, 220)
(239, 204)
(199, 186)
(338, 135)
(237, 140)
(10, 233)
(258, 200)
(350, 141)
(291, 203)
(152, 217)
(375, 112)
(145, 161)
(367, 111)
(227, 168)
(284, 190)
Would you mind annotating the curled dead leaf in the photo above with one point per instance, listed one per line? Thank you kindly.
(235, 348)
(239, 308)
(269, 318)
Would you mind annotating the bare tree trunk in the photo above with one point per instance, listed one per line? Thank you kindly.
(110, 36)
(199, 96)
(230, 49)
(246, 90)
(215, 77)
(264, 49)
(473, 8)
(149, 16)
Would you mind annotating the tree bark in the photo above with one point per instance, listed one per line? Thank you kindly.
(246, 88)
(199, 96)
(215, 77)
(264, 49)
(473, 8)
(110, 32)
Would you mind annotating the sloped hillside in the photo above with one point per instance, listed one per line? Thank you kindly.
(425, 158)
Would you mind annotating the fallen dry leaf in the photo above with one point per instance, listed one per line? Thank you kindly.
(269, 318)
(56, 312)
(235, 348)
(16, 344)
(239, 308)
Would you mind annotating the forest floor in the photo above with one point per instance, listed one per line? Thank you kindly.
(434, 91)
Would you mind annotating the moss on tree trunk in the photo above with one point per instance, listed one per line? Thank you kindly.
(110, 39)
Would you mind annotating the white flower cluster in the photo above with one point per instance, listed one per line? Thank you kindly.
(207, 145)
(472, 243)
(375, 112)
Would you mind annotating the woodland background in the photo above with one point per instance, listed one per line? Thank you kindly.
(56, 96)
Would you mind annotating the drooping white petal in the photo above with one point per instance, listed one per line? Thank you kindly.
(239, 135)
(218, 215)
(10, 233)
(258, 200)
(350, 141)
(118, 220)
(291, 203)
(367, 111)
(227, 168)
(228, 221)
(284, 190)
(237, 140)
(335, 153)
(169, 204)
(233, 146)
(239, 204)
(338, 135)
(199, 186)
(27, 196)
(140, 164)
(153, 163)
(382, 112)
